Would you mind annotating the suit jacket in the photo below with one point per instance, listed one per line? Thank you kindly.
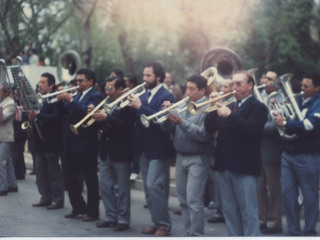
(155, 143)
(116, 136)
(87, 139)
(50, 124)
(6, 125)
(238, 143)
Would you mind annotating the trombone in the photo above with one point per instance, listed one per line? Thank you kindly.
(136, 91)
(74, 128)
(193, 107)
(145, 120)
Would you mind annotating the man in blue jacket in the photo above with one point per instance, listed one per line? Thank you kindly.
(300, 159)
(81, 151)
(157, 150)
(238, 160)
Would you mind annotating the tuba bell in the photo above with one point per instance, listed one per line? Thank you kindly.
(68, 65)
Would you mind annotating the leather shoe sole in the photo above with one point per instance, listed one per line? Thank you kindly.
(13, 189)
(73, 215)
(162, 231)
(3, 193)
(149, 230)
(121, 227)
(105, 224)
(54, 206)
(40, 204)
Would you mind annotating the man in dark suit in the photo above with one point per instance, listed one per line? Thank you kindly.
(48, 145)
(238, 156)
(115, 166)
(81, 149)
(157, 150)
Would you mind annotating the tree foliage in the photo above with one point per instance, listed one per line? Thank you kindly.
(278, 37)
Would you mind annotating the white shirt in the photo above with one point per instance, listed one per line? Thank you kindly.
(153, 91)
(84, 93)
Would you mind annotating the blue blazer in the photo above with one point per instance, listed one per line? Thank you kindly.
(87, 139)
(238, 143)
(155, 143)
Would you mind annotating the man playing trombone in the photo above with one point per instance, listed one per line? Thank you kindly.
(115, 166)
(157, 150)
(81, 150)
(193, 146)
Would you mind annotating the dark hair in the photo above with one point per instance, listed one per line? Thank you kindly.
(73, 82)
(118, 82)
(88, 73)
(118, 72)
(314, 76)
(132, 79)
(157, 70)
(200, 81)
(50, 77)
(249, 76)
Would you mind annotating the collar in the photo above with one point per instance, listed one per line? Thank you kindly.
(240, 102)
(153, 91)
(85, 92)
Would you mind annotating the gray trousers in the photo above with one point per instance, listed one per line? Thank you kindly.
(191, 176)
(239, 203)
(49, 178)
(7, 177)
(116, 202)
(269, 196)
(156, 179)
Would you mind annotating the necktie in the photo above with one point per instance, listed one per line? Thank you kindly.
(80, 95)
(235, 106)
(148, 96)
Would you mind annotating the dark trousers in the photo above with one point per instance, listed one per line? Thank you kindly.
(18, 158)
(75, 167)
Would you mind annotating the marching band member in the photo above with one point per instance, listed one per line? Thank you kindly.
(81, 150)
(8, 181)
(238, 156)
(300, 159)
(193, 147)
(115, 166)
(48, 146)
(157, 150)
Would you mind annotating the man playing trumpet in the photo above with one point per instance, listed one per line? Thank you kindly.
(193, 146)
(115, 166)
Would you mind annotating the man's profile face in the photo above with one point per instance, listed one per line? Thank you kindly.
(83, 82)
(309, 90)
(241, 86)
(43, 86)
(150, 78)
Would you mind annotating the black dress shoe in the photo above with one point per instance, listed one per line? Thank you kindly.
(15, 189)
(271, 230)
(3, 193)
(105, 224)
(54, 206)
(40, 204)
(90, 219)
(73, 215)
(121, 227)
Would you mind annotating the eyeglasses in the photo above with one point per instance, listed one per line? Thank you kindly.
(80, 80)
(305, 85)
(269, 78)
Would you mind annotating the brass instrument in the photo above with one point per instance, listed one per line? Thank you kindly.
(193, 107)
(283, 102)
(145, 120)
(68, 64)
(136, 92)
(74, 128)
(44, 97)
(256, 88)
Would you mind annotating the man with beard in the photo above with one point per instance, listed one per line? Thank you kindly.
(157, 150)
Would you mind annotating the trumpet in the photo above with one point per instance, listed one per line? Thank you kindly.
(193, 107)
(145, 120)
(136, 91)
(44, 97)
(74, 128)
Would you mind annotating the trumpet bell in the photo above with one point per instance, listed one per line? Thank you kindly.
(192, 108)
(145, 121)
(74, 129)
(25, 125)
